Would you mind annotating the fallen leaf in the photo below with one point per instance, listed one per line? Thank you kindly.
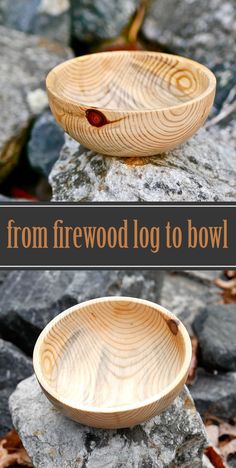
(213, 434)
(12, 451)
(229, 449)
(226, 284)
(120, 43)
(222, 438)
(18, 192)
(211, 418)
(214, 456)
(226, 429)
(193, 364)
(230, 273)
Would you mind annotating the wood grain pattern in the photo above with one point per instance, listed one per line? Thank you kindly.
(113, 362)
(130, 103)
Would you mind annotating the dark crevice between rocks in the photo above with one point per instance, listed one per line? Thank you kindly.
(155, 46)
(19, 339)
(24, 334)
(79, 47)
(24, 182)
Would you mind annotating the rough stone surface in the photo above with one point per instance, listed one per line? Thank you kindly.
(30, 299)
(215, 393)
(43, 17)
(227, 128)
(6, 421)
(3, 275)
(185, 294)
(215, 327)
(175, 438)
(14, 366)
(25, 61)
(202, 169)
(205, 276)
(100, 19)
(210, 36)
(46, 141)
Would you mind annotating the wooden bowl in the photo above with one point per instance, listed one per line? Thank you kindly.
(130, 103)
(113, 362)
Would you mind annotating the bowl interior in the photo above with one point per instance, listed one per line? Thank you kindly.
(129, 80)
(112, 353)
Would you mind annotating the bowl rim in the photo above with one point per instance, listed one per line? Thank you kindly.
(122, 408)
(75, 103)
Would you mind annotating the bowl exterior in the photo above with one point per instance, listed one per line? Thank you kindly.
(137, 133)
(119, 419)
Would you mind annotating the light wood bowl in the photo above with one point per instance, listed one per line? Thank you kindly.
(113, 362)
(130, 103)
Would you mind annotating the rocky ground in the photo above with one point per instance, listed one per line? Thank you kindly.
(31, 141)
(37, 162)
(29, 300)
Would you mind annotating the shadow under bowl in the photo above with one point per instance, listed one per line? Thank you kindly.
(130, 103)
(113, 362)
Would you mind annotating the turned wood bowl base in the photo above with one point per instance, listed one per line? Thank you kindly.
(130, 103)
(113, 362)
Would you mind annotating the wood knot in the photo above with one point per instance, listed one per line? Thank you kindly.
(173, 326)
(96, 117)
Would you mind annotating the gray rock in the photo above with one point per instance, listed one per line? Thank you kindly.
(3, 275)
(3, 198)
(203, 276)
(227, 129)
(215, 393)
(42, 17)
(25, 62)
(185, 294)
(30, 299)
(215, 327)
(101, 19)
(202, 169)
(5, 416)
(46, 141)
(175, 438)
(210, 36)
(15, 366)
